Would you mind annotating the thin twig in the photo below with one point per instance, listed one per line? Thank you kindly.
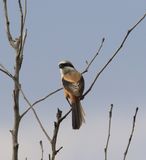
(24, 20)
(62, 118)
(37, 118)
(21, 28)
(40, 100)
(20, 7)
(89, 64)
(7, 22)
(116, 52)
(21, 15)
(42, 150)
(59, 149)
(41, 126)
(131, 135)
(4, 70)
(14, 42)
(24, 39)
(109, 131)
(25, 12)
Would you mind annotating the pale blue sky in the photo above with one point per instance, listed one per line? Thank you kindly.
(73, 30)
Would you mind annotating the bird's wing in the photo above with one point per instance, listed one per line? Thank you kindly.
(74, 83)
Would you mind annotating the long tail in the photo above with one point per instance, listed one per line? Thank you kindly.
(77, 115)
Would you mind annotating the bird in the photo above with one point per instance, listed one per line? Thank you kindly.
(73, 85)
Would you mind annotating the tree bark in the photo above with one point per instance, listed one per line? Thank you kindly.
(16, 110)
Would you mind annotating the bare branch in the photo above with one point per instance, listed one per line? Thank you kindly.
(62, 118)
(7, 23)
(109, 131)
(5, 71)
(40, 100)
(42, 150)
(131, 135)
(41, 126)
(22, 19)
(36, 116)
(14, 42)
(21, 29)
(50, 94)
(89, 64)
(24, 39)
(18, 45)
(59, 149)
(55, 133)
(116, 52)
(25, 12)
(21, 11)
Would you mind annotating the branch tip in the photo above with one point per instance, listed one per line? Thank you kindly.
(131, 134)
(59, 149)
(59, 113)
(103, 39)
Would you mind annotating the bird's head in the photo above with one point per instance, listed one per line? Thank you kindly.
(65, 67)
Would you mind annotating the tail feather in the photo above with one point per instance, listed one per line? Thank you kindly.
(77, 115)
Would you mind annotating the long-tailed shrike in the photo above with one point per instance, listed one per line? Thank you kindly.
(73, 85)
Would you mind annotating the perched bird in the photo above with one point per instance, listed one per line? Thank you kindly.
(73, 85)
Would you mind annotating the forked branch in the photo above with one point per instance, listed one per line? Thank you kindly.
(114, 55)
(97, 53)
(57, 123)
(59, 118)
(17, 44)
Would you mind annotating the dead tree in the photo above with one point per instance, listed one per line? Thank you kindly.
(17, 44)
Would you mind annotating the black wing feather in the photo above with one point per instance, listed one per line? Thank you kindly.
(75, 88)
